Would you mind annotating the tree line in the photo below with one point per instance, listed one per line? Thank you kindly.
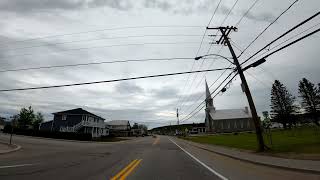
(286, 110)
(27, 118)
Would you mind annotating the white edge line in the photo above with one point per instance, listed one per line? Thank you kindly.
(18, 165)
(203, 164)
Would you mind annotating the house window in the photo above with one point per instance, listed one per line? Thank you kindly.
(64, 117)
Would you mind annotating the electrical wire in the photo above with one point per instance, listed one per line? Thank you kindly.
(194, 112)
(104, 38)
(99, 30)
(203, 59)
(288, 39)
(108, 81)
(96, 63)
(199, 97)
(188, 77)
(96, 47)
(246, 13)
(265, 29)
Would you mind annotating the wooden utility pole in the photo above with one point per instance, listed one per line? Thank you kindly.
(225, 40)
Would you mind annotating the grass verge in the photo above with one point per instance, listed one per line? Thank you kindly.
(304, 140)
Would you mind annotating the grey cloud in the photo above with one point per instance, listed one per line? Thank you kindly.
(261, 16)
(163, 5)
(128, 88)
(35, 5)
(116, 4)
(165, 93)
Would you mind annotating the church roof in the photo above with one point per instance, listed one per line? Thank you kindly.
(229, 114)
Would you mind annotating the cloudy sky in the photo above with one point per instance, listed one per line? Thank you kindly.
(38, 33)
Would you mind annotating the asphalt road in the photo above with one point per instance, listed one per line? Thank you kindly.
(141, 158)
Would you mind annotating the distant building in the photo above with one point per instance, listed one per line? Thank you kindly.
(119, 128)
(226, 120)
(76, 120)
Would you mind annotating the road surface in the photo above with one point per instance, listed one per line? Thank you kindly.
(142, 158)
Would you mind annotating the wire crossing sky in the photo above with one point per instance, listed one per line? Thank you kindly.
(69, 42)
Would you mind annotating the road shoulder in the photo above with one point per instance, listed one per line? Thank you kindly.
(308, 166)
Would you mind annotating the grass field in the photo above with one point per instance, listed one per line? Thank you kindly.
(304, 140)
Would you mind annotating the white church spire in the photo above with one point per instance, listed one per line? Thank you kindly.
(208, 95)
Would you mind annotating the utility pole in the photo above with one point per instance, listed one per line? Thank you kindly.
(177, 116)
(225, 31)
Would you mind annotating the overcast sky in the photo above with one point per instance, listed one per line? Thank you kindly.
(37, 33)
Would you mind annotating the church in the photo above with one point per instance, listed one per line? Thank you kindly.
(226, 120)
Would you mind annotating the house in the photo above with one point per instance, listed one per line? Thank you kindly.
(76, 120)
(226, 120)
(119, 128)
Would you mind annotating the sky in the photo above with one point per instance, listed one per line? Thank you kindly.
(37, 33)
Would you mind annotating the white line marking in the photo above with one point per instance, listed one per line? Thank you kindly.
(18, 165)
(203, 164)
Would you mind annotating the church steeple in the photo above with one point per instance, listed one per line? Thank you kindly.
(208, 95)
(209, 100)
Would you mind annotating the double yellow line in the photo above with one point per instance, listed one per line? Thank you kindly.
(127, 170)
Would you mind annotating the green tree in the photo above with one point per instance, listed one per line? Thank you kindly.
(266, 123)
(143, 128)
(26, 117)
(310, 96)
(282, 104)
(135, 126)
(37, 120)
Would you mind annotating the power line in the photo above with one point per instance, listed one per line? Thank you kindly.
(105, 29)
(199, 82)
(297, 40)
(207, 97)
(196, 112)
(291, 43)
(223, 21)
(104, 38)
(288, 39)
(282, 35)
(209, 88)
(96, 63)
(205, 31)
(245, 14)
(268, 27)
(188, 77)
(109, 81)
(95, 47)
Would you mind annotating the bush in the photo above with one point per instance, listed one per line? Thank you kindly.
(235, 133)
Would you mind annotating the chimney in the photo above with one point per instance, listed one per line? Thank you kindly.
(246, 110)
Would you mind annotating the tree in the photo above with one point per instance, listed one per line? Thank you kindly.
(135, 126)
(26, 117)
(143, 128)
(266, 123)
(310, 96)
(38, 119)
(282, 104)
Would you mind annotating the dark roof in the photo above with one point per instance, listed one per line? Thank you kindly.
(77, 111)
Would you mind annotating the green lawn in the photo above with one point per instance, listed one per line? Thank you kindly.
(299, 140)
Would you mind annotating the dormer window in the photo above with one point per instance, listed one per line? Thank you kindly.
(64, 117)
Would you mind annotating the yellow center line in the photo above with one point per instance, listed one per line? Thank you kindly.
(123, 177)
(156, 141)
(124, 170)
